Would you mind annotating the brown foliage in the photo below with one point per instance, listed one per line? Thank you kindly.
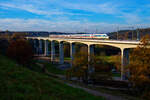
(117, 62)
(66, 51)
(80, 58)
(20, 50)
(140, 66)
(80, 65)
(102, 69)
(18, 35)
(126, 36)
(5, 36)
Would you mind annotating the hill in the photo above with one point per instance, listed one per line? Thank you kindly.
(35, 33)
(20, 83)
(127, 34)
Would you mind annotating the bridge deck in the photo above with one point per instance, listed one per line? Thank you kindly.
(89, 40)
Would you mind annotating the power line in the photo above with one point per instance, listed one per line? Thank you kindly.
(130, 27)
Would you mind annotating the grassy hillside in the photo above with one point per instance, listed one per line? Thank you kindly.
(19, 83)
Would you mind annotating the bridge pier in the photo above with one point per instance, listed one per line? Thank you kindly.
(46, 47)
(72, 52)
(52, 50)
(61, 53)
(90, 54)
(40, 47)
(35, 46)
(124, 63)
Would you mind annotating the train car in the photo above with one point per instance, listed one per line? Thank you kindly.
(91, 36)
(100, 36)
(83, 36)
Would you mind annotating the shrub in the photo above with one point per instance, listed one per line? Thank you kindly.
(20, 50)
(3, 46)
(102, 69)
(140, 67)
(80, 65)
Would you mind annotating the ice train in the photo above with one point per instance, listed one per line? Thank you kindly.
(79, 36)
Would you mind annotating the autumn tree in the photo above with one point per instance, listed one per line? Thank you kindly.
(80, 65)
(140, 67)
(17, 35)
(3, 46)
(66, 50)
(102, 69)
(116, 60)
(5, 36)
(4, 42)
(126, 35)
(20, 49)
(96, 69)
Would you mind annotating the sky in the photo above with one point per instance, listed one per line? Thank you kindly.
(74, 15)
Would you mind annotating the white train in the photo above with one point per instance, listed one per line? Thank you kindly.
(89, 36)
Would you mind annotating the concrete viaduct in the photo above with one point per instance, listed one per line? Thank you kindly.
(124, 46)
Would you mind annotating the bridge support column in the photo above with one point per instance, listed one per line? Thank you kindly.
(90, 54)
(61, 53)
(72, 52)
(35, 46)
(52, 50)
(124, 63)
(46, 47)
(40, 47)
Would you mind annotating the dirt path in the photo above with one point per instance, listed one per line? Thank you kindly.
(97, 93)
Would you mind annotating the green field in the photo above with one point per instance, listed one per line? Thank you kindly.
(67, 58)
(116, 75)
(52, 68)
(20, 83)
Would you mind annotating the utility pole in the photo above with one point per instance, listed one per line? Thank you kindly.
(96, 31)
(138, 34)
(117, 32)
(130, 28)
(85, 31)
(132, 32)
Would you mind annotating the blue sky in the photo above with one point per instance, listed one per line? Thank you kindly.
(73, 15)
